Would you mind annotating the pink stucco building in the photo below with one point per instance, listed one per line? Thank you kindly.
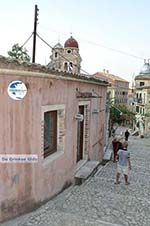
(60, 120)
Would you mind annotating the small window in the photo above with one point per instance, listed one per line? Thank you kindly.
(143, 111)
(50, 132)
(66, 66)
(137, 109)
(141, 83)
(140, 110)
(69, 51)
(70, 67)
(56, 54)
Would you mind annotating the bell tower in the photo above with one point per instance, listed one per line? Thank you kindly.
(71, 53)
(56, 57)
(66, 59)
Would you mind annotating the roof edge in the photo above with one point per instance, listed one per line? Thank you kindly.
(10, 66)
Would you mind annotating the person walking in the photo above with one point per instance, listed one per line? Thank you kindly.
(113, 132)
(116, 146)
(127, 134)
(123, 164)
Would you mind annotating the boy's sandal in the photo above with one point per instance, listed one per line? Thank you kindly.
(127, 183)
(117, 182)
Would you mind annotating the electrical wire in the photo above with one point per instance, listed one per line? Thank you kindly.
(114, 50)
(44, 41)
(60, 54)
(27, 40)
(105, 47)
(90, 42)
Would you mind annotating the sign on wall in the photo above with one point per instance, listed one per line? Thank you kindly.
(17, 90)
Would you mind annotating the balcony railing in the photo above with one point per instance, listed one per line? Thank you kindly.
(139, 101)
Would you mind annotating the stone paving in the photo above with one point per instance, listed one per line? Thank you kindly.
(98, 201)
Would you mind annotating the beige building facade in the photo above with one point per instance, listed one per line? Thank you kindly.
(142, 95)
(142, 90)
(118, 88)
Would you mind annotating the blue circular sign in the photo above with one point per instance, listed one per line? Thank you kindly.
(17, 90)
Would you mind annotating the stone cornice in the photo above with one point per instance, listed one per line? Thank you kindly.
(16, 68)
(143, 77)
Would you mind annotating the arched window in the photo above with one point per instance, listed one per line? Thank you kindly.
(70, 66)
(56, 54)
(65, 66)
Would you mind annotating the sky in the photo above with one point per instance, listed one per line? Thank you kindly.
(112, 34)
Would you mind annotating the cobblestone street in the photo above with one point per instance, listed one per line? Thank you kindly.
(99, 202)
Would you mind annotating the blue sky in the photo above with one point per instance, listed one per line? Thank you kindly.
(120, 25)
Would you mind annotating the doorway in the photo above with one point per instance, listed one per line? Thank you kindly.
(80, 132)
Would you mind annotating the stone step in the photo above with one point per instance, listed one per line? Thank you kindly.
(107, 155)
(89, 168)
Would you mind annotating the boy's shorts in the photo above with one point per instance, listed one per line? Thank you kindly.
(122, 169)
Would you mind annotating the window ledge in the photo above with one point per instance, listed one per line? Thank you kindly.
(52, 158)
